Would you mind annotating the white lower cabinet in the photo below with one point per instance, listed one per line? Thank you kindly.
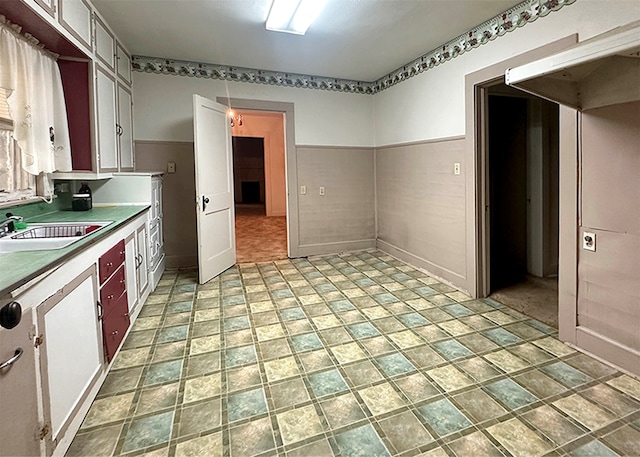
(131, 270)
(48, 389)
(137, 266)
(143, 259)
(71, 352)
(19, 427)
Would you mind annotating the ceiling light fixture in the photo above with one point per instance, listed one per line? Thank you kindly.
(293, 16)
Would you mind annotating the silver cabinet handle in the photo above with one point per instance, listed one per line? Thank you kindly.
(12, 360)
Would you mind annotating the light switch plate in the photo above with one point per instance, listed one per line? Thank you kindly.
(171, 167)
(303, 190)
(322, 191)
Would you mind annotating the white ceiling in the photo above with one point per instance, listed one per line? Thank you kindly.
(352, 39)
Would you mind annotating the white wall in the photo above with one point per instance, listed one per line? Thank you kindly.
(431, 105)
(163, 109)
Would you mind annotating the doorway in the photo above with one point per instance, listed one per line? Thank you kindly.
(519, 157)
(259, 187)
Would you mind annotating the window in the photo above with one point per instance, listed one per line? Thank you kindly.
(15, 183)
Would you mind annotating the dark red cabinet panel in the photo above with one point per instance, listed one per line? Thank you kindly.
(113, 297)
(115, 325)
(112, 290)
(110, 261)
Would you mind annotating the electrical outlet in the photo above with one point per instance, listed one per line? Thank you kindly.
(303, 190)
(322, 191)
(456, 168)
(589, 241)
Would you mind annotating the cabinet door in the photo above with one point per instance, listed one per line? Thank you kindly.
(114, 327)
(131, 262)
(48, 6)
(105, 45)
(107, 142)
(123, 64)
(143, 265)
(155, 199)
(18, 391)
(71, 351)
(125, 128)
(75, 17)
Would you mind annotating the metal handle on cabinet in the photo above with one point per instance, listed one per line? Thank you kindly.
(114, 333)
(12, 360)
(109, 264)
(110, 297)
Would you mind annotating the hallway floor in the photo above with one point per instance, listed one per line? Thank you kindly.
(535, 297)
(350, 355)
(259, 238)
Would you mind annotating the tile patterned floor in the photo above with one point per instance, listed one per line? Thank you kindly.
(350, 355)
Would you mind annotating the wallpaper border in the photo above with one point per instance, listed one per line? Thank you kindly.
(515, 17)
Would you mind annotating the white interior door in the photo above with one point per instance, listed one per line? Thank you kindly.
(214, 188)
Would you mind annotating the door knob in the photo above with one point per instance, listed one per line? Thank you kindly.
(205, 200)
(10, 315)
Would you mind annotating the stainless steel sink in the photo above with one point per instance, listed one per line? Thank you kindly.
(48, 236)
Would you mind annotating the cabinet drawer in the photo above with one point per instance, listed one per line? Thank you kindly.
(112, 290)
(110, 261)
(115, 325)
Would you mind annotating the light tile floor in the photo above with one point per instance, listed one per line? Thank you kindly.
(350, 355)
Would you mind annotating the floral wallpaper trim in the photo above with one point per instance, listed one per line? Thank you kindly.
(247, 75)
(521, 14)
(515, 17)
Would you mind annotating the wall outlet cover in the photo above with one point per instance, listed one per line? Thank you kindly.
(589, 241)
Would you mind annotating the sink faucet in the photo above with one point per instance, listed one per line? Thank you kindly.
(7, 226)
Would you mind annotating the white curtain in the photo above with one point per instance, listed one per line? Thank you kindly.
(15, 179)
(32, 81)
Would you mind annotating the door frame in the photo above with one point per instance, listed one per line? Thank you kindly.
(474, 82)
(291, 174)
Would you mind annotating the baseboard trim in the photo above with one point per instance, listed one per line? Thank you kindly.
(612, 352)
(334, 248)
(447, 276)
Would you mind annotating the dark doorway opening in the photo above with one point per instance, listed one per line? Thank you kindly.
(248, 173)
(522, 157)
(250, 191)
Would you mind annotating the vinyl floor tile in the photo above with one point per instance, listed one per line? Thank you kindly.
(355, 354)
(443, 417)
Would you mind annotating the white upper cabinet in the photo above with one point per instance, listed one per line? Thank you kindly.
(123, 63)
(107, 143)
(105, 45)
(49, 6)
(75, 17)
(125, 128)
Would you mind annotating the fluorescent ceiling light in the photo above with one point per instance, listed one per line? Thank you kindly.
(293, 16)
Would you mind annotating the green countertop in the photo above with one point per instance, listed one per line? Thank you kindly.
(17, 268)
